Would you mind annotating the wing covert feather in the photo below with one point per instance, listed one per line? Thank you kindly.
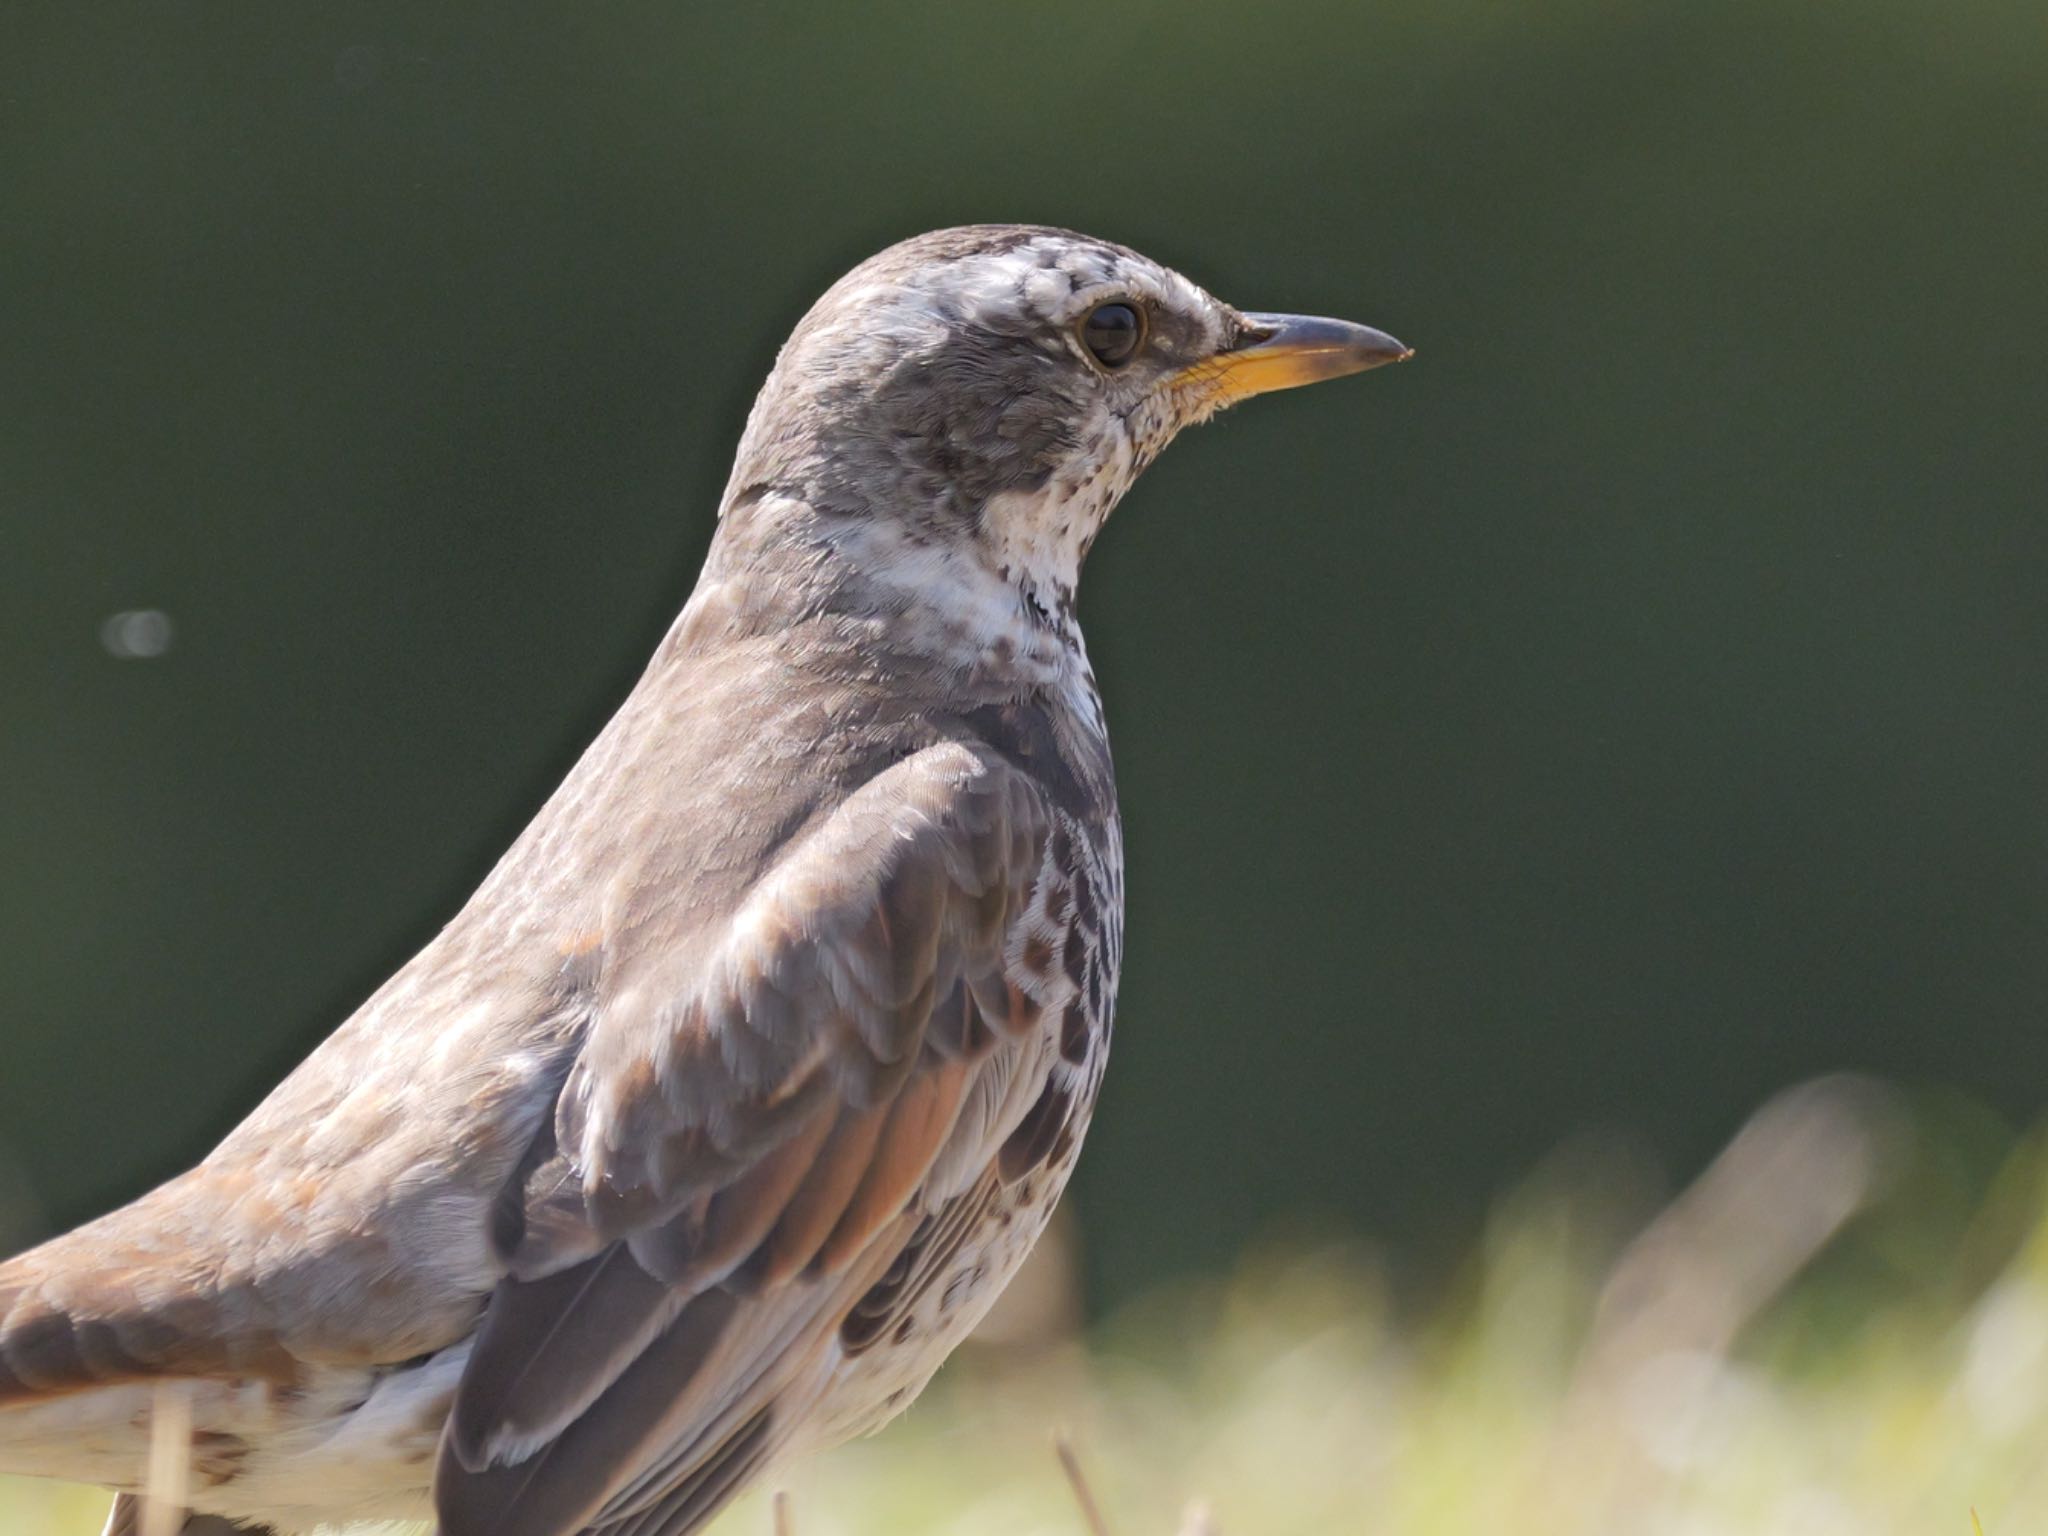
(820, 986)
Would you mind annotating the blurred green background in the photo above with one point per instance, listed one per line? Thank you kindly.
(1630, 707)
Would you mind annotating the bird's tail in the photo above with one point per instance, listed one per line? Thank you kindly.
(65, 1322)
(85, 1341)
(125, 1519)
(110, 1303)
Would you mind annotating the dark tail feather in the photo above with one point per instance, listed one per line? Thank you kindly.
(47, 1350)
(43, 1352)
(80, 1312)
(125, 1519)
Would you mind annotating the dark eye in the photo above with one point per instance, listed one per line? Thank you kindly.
(1112, 333)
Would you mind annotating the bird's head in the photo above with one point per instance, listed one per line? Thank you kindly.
(997, 388)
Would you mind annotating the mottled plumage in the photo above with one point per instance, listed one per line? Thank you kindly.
(726, 1106)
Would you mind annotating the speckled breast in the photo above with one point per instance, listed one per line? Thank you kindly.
(1065, 953)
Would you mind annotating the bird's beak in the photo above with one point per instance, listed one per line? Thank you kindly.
(1282, 351)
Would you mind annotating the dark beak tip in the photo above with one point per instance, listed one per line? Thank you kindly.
(1382, 348)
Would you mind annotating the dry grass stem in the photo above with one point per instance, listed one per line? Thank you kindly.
(1070, 1463)
(170, 1460)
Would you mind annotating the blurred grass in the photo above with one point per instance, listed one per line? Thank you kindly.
(1841, 1329)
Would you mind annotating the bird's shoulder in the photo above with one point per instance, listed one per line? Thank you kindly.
(822, 980)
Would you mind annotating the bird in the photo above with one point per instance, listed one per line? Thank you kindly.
(730, 1100)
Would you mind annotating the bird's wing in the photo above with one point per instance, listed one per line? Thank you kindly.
(739, 1163)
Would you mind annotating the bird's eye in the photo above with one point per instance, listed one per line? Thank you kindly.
(1112, 333)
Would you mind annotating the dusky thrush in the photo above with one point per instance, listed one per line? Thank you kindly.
(732, 1098)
